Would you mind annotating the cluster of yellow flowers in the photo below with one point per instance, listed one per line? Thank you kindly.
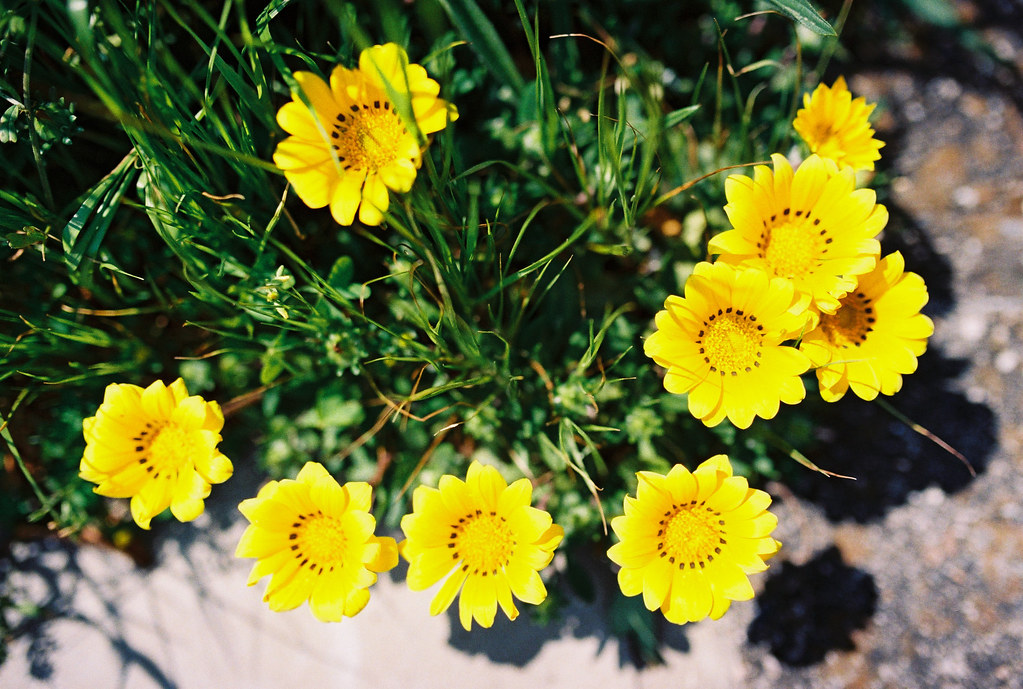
(801, 263)
(688, 540)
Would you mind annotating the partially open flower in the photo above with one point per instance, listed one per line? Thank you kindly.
(315, 537)
(157, 446)
(875, 336)
(837, 127)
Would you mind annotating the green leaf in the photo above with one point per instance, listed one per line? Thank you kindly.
(679, 116)
(27, 237)
(273, 366)
(804, 13)
(341, 273)
(84, 233)
(481, 34)
(269, 12)
(9, 124)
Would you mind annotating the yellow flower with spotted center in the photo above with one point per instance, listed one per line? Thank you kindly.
(688, 540)
(484, 539)
(361, 135)
(722, 344)
(875, 336)
(315, 537)
(811, 226)
(837, 127)
(157, 446)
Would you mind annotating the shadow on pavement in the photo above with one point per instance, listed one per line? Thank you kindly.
(50, 571)
(605, 616)
(888, 458)
(807, 610)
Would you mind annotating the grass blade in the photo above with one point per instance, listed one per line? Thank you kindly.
(84, 233)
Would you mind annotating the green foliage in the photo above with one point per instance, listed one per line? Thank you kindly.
(500, 312)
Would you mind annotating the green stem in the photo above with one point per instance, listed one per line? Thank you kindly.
(6, 435)
(37, 153)
(832, 45)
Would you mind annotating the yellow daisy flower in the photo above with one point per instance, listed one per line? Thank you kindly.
(812, 227)
(157, 446)
(485, 538)
(875, 336)
(315, 537)
(360, 135)
(722, 344)
(688, 541)
(837, 127)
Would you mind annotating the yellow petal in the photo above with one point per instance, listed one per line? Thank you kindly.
(447, 592)
(293, 592)
(357, 600)
(729, 581)
(157, 401)
(347, 196)
(375, 201)
(360, 495)
(298, 154)
(504, 596)
(518, 494)
(259, 543)
(385, 65)
(317, 93)
(386, 557)
(691, 594)
(657, 579)
(525, 583)
(187, 496)
(478, 601)
(214, 468)
(315, 185)
(630, 581)
(429, 567)
(329, 597)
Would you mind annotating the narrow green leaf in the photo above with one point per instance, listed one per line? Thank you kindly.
(84, 233)
(272, 9)
(804, 13)
(677, 117)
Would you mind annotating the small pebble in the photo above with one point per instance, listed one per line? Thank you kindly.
(1006, 361)
(966, 197)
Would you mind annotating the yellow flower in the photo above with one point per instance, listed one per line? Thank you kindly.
(688, 541)
(837, 127)
(812, 227)
(483, 535)
(315, 537)
(875, 336)
(360, 135)
(721, 343)
(157, 446)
